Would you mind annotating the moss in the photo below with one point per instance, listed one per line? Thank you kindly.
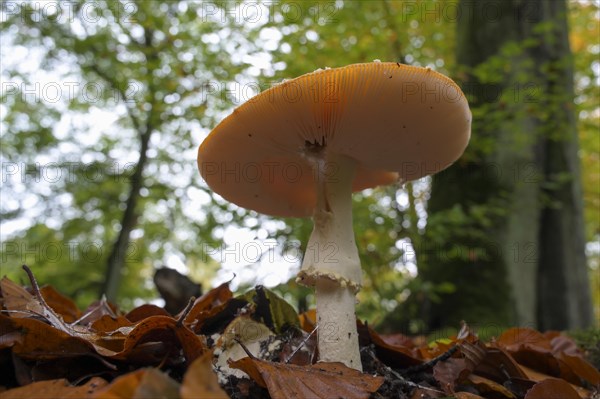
(589, 341)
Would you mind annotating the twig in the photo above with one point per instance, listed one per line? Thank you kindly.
(250, 355)
(399, 377)
(304, 341)
(421, 367)
(186, 311)
(34, 283)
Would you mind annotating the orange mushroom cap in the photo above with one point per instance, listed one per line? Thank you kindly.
(398, 122)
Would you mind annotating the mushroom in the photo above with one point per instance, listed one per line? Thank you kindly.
(302, 147)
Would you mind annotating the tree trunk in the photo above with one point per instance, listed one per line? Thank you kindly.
(116, 259)
(522, 245)
(564, 297)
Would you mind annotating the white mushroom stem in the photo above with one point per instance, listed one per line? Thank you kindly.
(331, 262)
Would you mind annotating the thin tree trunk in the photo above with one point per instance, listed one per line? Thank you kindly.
(116, 259)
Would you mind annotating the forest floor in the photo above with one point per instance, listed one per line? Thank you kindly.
(256, 346)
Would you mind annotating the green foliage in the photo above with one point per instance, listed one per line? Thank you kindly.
(585, 29)
(152, 66)
(273, 310)
(589, 341)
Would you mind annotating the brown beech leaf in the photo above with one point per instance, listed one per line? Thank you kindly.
(308, 320)
(536, 376)
(35, 339)
(563, 344)
(61, 304)
(161, 329)
(109, 324)
(473, 353)
(144, 311)
(565, 349)
(143, 383)
(200, 381)
(499, 364)
(552, 388)
(22, 304)
(318, 381)
(485, 386)
(449, 372)
(96, 310)
(397, 356)
(17, 300)
(53, 389)
(401, 340)
(211, 299)
(515, 339)
(581, 368)
(533, 349)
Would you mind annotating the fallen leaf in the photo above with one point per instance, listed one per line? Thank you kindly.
(241, 335)
(34, 339)
(535, 350)
(53, 389)
(272, 310)
(162, 329)
(396, 356)
(518, 386)
(565, 349)
(96, 310)
(552, 388)
(17, 300)
(308, 320)
(473, 353)
(200, 381)
(140, 384)
(213, 298)
(122, 387)
(62, 305)
(145, 311)
(21, 304)
(536, 376)
(581, 368)
(399, 340)
(485, 385)
(108, 324)
(156, 384)
(563, 344)
(515, 339)
(498, 364)
(449, 372)
(216, 319)
(319, 381)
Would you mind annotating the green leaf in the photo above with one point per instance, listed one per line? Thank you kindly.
(271, 309)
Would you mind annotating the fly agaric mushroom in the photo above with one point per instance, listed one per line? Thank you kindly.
(302, 147)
